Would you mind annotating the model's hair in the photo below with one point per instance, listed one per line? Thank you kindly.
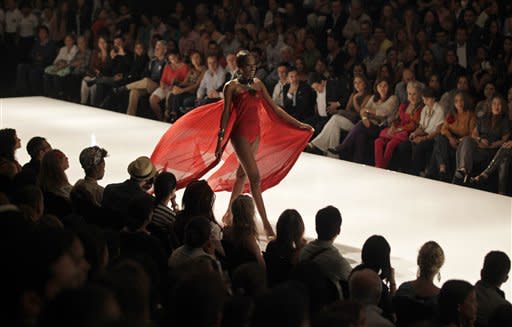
(242, 58)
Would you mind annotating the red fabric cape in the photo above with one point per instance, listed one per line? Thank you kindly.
(187, 149)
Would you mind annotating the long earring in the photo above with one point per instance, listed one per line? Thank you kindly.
(439, 276)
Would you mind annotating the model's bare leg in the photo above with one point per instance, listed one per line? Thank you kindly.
(238, 187)
(246, 152)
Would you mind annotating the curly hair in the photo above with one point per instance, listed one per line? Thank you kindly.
(430, 259)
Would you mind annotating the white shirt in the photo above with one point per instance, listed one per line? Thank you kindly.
(277, 94)
(12, 20)
(66, 55)
(28, 25)
(321, 103)
(462, 55)
(211, 82)
(431, 119)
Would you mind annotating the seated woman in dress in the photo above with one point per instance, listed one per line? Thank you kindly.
(489, 134)
(408, 116)
(282, 254)
(183, 95)
(240, 237)
(343, 120)
(417, 299)
(457, 124)
(375, 115)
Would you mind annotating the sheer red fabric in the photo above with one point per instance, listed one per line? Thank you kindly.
(187, 149)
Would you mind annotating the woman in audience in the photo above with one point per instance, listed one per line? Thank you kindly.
(457, 124)
(417, 300)
(282, 253)
(408, 116)
(61, 66)
(52, 177)
(457, 304)
(240, 238)
(375, 255)
(99, 60)
(9, 143)
(489, 134)
(174, 73)
(377, 113)
(484, 107)
(182, 96)
(79, 67)
(418, 149)
(198, 200)
(343, 120)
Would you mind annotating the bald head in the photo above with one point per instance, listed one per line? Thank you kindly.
(365, 286)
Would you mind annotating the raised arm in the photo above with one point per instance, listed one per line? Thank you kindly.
(278, 110)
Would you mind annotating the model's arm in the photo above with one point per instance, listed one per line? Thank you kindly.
(228, 95)
(278, 110)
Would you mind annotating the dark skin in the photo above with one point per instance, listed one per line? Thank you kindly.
(245, 150)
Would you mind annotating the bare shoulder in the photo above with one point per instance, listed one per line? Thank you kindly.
(259, 85)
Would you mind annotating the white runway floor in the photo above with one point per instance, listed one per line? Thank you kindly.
(407, 210)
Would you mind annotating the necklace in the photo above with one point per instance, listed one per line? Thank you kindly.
(245, 81)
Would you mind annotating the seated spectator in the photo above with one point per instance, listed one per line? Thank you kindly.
(198, 200)
(342, 119)
(375, 255)
(29, 199)
(174, 73)
(447, 101)
(378, 113)
(298, 99)
(210, 88)
(79, 67)
(165, 192)
(489, 134)
(277, 93)
(322, 251)
(54, 183)
(100, 59)
(196, 243)
(240, 236)
(501, 163)
(261, 72)
(374, 60)
(501, 316)
(488, 294)
(117, 196)
(417, 150)
(416, 300)
(456, 126)
(9, 143)
(182, 98)
(451, 71)
(92, 160)
(407, 119)
(330, 96)
(36, 148)
(29, 76)
(249, 279)
(341, 313)
(401, 87)
(366, 288)
(457, 304)
(484, 106)
(282, 253)
(150, 79)
(61, 66)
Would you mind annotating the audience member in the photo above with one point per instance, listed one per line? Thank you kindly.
(92, 160)
(457, 304)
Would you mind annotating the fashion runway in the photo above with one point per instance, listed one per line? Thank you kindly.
(407, 210)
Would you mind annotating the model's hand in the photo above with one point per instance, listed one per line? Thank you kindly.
(306, 127)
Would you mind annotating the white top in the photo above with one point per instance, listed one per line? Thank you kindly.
(321, 103)
(28, 25)
(12, 20)
(211, 82)
(277, 95)
(66, 55)
(430, 120)
(462, 55)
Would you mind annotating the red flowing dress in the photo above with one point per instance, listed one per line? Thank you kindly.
(187, 149)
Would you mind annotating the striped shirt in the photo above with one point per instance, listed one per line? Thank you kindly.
(163, 216)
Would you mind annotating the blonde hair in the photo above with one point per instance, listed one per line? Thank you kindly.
(430, 259)
(51, 176)
(243, 224)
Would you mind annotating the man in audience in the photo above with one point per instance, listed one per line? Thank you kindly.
(366, 288)
(298, 99)
(116, 197)
(493, 275)
(196, 243)
(401, 88)
(36, 148)
(92, 160)
(210, 89)
(277, 93)
(323, 252)
(150, 82)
